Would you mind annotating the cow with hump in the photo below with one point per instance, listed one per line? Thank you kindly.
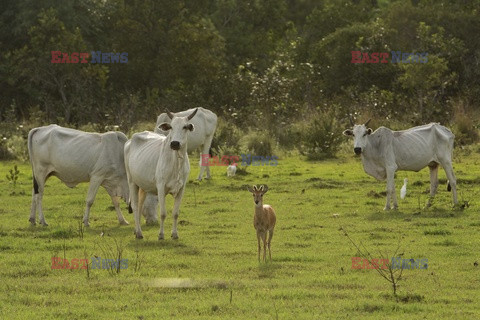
(158, 164)
(385, 151)
(205, 123)
(73, 157)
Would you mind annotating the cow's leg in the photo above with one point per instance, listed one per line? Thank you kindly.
(433, 182)
(163, 210)
(391, 189)
(116, 204)
(41, 216)
(150, 209)
(200, 164)
(176, 212)
(33, 209)
(141, 200)
(39, 181)
(205, 150)
(136, 212)
(92, 192)
(452, 180)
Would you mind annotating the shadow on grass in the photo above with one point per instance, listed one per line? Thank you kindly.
(267, 270)
(424, 213)
(167, 244)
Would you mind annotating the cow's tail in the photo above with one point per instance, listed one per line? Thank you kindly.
(30, 151)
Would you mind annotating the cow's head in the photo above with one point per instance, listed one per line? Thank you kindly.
(179, 128)
(360, 134)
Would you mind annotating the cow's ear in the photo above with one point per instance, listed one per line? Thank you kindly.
(369, 131)
(348, 132)
(165, 126)
(189, 127)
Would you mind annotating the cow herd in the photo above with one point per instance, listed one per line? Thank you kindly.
(151, 165)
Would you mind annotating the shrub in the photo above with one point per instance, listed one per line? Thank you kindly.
(258, 143)
(322, 136)
(464, 129)
(17, 146)
(227, 138)
(290, 136)
(4, 153)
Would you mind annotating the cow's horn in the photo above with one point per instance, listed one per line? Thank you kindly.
(169, 114)
(193, 114)
(351, 120)
(366, 123)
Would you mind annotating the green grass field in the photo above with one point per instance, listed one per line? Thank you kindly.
(212, 270)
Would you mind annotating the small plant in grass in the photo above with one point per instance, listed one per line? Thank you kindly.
(12, 176)
(139, 258)
(85, 255)
(390, 274)
(81, 229)
(112, 252)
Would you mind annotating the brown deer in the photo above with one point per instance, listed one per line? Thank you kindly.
(263, 220)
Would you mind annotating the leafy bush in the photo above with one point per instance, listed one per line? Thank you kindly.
(290, 136)
(227, 138)
(322, 136)
(17, 146)
(258, 143)
(4, 153)
(464, 127)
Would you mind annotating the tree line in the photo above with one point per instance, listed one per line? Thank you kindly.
(265, 63)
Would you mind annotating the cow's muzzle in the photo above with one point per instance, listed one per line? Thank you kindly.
(357, 150)
(175, 145)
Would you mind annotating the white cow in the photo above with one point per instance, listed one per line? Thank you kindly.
(205, 123)
(385, 151)
(159, 164)
(75, 156)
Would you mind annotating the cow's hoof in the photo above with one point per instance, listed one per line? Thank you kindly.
(86, 223)
(386, 208)
(124, 223)
(174, 236)
(44, 223)
(32, 221)
(160, 236)
(138, 235)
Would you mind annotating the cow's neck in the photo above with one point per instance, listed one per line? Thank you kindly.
(178, 159)
(370, 160)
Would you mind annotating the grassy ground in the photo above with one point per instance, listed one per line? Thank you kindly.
(212, 270)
